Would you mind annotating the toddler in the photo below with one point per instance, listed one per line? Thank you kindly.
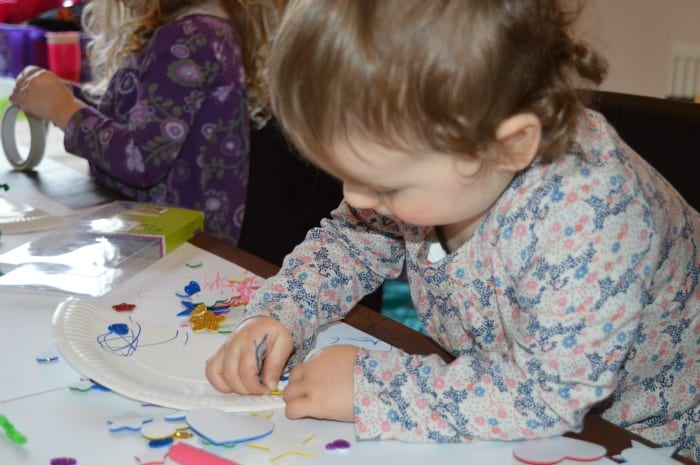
(550, 259)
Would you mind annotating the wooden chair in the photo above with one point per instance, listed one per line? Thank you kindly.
(287, 196)
(665, 132)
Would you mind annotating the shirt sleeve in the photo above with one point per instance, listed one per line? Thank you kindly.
(323, 278)
(139, 137)
(570, 314)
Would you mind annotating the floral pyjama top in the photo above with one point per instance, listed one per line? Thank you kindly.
(579, 290)
(173, 127)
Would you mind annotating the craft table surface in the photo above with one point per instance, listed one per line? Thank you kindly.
(60, 422)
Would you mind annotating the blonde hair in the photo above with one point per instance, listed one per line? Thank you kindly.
(430, 74)
(119, 31)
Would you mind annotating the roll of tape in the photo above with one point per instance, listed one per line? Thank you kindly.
(37, 129)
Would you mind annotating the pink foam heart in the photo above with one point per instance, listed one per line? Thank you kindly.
(553, 450)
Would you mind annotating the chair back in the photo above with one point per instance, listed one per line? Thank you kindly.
(664, 132)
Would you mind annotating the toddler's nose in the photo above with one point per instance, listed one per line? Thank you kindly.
(360, 197)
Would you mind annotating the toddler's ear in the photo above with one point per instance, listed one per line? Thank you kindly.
(519, 136)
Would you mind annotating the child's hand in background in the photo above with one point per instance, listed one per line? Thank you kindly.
(322, 386)
(252, 360)
(44, 95)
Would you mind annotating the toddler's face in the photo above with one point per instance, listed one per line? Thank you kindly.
(419, 188)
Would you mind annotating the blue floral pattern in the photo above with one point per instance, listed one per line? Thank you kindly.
(172, 127)
(578, 291)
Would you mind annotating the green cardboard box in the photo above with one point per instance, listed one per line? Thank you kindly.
(172, 226)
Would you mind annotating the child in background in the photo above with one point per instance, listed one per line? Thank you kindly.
(551, 260)
(166, 118)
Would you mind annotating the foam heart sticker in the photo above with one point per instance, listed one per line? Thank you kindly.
(553, 450)
(221, 428)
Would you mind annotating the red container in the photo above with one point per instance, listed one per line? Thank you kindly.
(64, 54)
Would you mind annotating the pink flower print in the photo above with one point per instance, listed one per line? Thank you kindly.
(439, 383)
(329, 295)
(623, 232)
(556, 227)
(278, 288)
(386, 427)
(650, 400)
(625, 411)
(134, 159)
(571, 197)
(520, 230)
(644, 234)
(361, 427)
(365, 402)
(421, 404)
(481, 421)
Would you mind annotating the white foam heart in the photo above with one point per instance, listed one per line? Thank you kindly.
(221, 428)
(553, 450)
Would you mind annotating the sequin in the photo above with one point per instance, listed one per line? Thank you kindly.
(338, 444)
(119, 329)
(124, 307)
(63, 461)
(206, 320)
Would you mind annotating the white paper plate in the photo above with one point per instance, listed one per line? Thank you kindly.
(142, 361)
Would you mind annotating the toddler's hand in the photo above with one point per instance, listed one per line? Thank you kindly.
(322, 386)
(252, 360)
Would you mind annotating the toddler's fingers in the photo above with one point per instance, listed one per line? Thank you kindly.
(215, 369)
(249, 375)
(275, 362)
(298, 403)
(230, 371)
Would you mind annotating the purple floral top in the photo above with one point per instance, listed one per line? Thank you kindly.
(172, 127)
(579, 289)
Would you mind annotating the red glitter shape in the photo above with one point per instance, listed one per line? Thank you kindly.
(124, 307)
